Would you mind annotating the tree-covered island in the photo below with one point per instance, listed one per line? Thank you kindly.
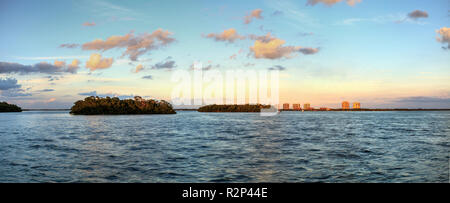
(96, 105)
(233, 108)
(5, 107)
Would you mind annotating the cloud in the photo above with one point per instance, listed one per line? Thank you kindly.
(277, 13)
(70, 46)
(413, 16)
(332, 2)
(15, 93)
(8, 83)
(93, 93)
(46, 90)
(166, 64)
(263, 38)
(73, 67)
(277, 67)
(148, 77)
(418, 14)
(269, 47)
(10, 88)
(139, 68)
(96, 62)
(59, 64)
(353, 2)
(52, 78)
(50, 100)
(382, 19)
(203, 68)
(254, 14)
(89, 24)
(444, 37)
(272, 49)
(229, 35)
(42, 67)
(135, 45)
(109, 43)
(308, 50)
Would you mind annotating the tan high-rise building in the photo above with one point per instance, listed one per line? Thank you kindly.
(306, 106)
(345, 105)
(356, 105)
(286, 106)
(296, 107)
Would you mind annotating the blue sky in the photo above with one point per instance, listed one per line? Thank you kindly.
(371, 52)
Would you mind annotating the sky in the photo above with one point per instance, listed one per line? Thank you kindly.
(381, 53)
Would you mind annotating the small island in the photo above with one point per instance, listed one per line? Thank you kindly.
(5, 107)
(233, 108)
(94, 105)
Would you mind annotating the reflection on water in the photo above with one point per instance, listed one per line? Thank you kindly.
(225, 147)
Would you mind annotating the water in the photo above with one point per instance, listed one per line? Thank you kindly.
(226, 147)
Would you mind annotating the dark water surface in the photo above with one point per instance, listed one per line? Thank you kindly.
(226, 147)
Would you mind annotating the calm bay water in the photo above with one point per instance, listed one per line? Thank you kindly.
(226, 147)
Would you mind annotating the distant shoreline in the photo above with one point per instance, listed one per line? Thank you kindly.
(281, 110)
(343, 110)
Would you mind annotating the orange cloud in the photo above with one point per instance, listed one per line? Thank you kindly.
(135, 45)
(72, 68)
(59, 64)
(445, 36)
(96, 62)
(229, 35)
(269, 47)
(51, 100)
(254, 14)
(74, 65)
(139, 68)
(109, 43)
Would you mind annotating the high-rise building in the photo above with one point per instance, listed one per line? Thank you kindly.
(296, 107)
(345, 105)
(356, 105)
(306, 106)
(286, 106)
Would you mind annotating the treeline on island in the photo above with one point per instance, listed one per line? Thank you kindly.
(97, 105)
(5, 107)
(233, 108)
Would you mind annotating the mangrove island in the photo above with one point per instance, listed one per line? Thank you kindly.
(5, 107)
(233, 108)
(95, 105)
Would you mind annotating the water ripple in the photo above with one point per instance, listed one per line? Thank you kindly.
(225, 147)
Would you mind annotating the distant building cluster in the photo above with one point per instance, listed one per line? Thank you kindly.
(346, 105)
(307, 106)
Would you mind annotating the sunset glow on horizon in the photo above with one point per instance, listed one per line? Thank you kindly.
(383, 54)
